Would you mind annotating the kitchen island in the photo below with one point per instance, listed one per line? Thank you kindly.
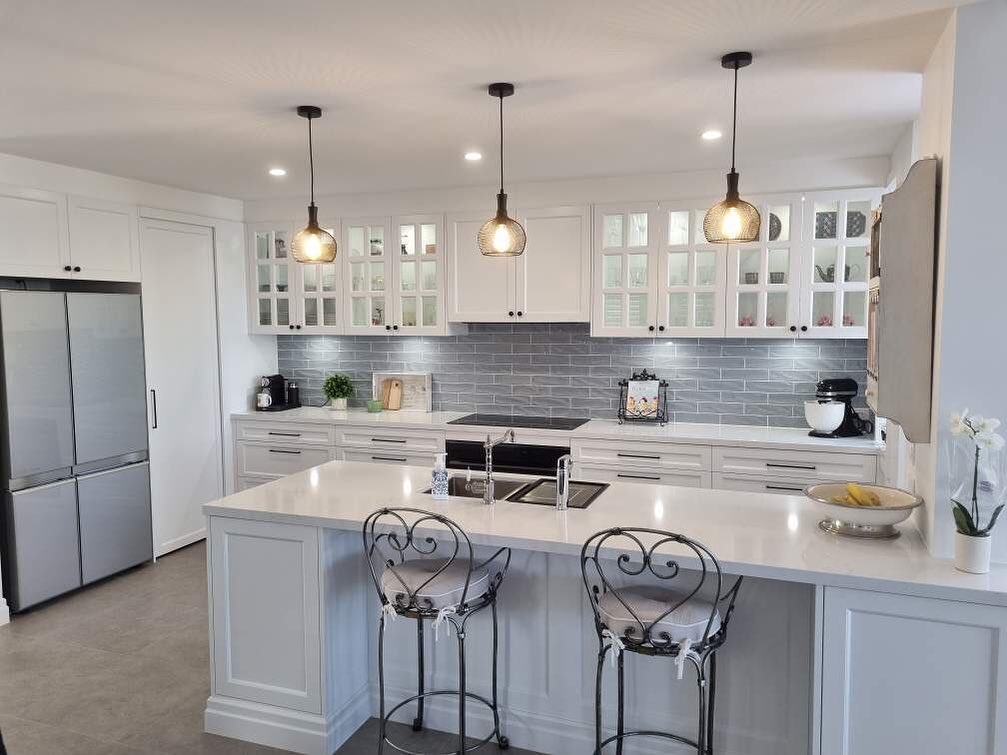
(293, 623)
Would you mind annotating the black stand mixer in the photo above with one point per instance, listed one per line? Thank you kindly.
(844, 390)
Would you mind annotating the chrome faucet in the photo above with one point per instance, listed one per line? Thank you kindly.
(564, 468)
(489, 445)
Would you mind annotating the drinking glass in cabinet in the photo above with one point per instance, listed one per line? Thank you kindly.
(407, 277)
(779, 223)
(749, 262)
(612, 271)
(638, 270)
(409, 311)
(825, 219)
(407, 240)
(678, 228)
(428, 238)
(705, 303)
(612, 308)
(776, 309)
(856, 264)
(779, 266)
(376, 236)
(377, 311)
(429, 310)
(429, 272)
(823, 307)
(637, 309)
(377, 276)
(854, 309)
(678, 268)
(706, 268)
(357, 276)
(825, 264)
(637, 229)
(678, 309)
(748, 309)
(612, 232)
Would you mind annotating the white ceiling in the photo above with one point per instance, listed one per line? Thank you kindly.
(199, 94)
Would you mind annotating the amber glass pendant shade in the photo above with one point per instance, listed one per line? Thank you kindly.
(312, 244)
(502, 236)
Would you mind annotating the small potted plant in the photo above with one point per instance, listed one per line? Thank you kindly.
(980, 475)
(337, 388)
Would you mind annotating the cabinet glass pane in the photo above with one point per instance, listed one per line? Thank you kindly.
(678, 227)
(377, 279)
(429, 310)
(357, 236)
(856, 264)
(776, 309)
(748, 309)
(281, 279)
(749, 264)
(428, 269)
(428, 238)
(280, 245)
(637, 309)
(265, 284)
(310, 311)
(282, 312)
(329, 312)
(637, 270)
(611, 271)
(328, 277)
(698, 237)
(612, 308)
(611, 233)
(825, 264)
(779, 266)
(637, 229)
(262, 245)
(407, 240)
(858, 216)
(678, 309)
(310, 278)
(265, 312)
(678, 268)
(825, 219)
(357, 276)
(377, 310)
(823, 308)
(407, 276)
(409, 311)
(705, 309)
(359, 311)
(706, 268)
(779, 223)
(376, 240)
(854, 309)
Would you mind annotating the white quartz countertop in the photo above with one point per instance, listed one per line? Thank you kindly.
(682, 432)
(753, 534)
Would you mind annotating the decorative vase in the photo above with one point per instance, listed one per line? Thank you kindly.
(337, 404)
(972, 554)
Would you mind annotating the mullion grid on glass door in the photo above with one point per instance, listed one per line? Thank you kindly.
(368, 265)
(272, 277)
(418, 289)
(690, 276)
(626, 269)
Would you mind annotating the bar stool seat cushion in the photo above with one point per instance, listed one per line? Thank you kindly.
(687, 622)
(445, 589)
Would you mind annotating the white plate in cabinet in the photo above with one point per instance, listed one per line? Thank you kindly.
(390, 456)
(276, 460)
(606, 474)
(397, 441)
(778, 485)
(809, 465)
(653, 456)
(276, 432)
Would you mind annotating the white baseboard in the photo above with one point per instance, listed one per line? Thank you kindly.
(180, 542)
(283, 728)
(4, 612)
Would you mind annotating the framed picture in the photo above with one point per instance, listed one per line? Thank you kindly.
(643, 398)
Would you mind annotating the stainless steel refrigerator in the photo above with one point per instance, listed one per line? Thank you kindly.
(75, 477)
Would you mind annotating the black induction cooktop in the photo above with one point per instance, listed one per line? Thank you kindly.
(531, 423)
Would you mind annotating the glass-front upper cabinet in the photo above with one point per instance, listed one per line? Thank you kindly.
(321, 293)
(419, 280)
(690, 274)
(836, 262)
(763, 277)
(627, 240)
(367, 253)
(273, 304)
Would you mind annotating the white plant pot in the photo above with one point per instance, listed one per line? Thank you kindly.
(972, 554)
(337, 404)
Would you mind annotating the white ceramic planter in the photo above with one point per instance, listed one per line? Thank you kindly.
(972, 554)
(337, 404)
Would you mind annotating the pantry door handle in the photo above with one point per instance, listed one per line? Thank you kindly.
(153, 407)
(638, 456)
(284, 451)
(636, 477)
(389, 458)
(808, 467)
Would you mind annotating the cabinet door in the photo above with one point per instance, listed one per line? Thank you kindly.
(904, 674)
(104, 241)
(626, 270)
(272, 279)
(691, 274)
(481, 289)
(419, 275)
(320, 293)
(835, 263)
(554, 273)
(34, 239)
(368, 271)
(763, 278)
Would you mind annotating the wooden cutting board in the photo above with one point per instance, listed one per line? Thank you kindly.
(391, 393)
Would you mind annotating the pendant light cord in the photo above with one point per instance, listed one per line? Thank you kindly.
(501, 146)
(311, 163)
(734, 118)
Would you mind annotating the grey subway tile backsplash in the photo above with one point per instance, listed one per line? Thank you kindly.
(559, 370)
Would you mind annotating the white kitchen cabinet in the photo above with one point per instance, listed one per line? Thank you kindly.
(549, 282)
(367, 267)
(278, 460)
(34, 242)
(104, 240)
(817, 466)
(625, 270)
(642, 476)
(906, 674)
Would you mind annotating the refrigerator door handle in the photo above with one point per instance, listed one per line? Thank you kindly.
(153, 407)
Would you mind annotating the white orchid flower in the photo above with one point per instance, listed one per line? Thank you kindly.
(989, 441)
(959, 423)
(987, 424)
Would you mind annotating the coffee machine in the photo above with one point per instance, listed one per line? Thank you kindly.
(843, 390)
(275, 395)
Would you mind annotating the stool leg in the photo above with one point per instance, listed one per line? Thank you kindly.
(502, 741)
(461, 690)
(597, 699)
(701, 685)
(711, 695)
(381, 684)
(418, 721)
(622, 703)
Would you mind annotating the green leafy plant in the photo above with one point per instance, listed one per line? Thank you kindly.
(982, 434)
(337, 386)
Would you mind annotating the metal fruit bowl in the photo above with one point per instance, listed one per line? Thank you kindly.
(862, 521)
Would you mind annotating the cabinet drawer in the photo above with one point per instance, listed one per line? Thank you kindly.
(816, 466)
(653, 477)
(389, 456)
(285, 433)
(278, 460)
(394, 440)
(653, 456)
(247, 483)
(778, 485)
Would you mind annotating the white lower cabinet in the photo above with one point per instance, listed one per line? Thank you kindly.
(814, 466)
(276, 460)
(781, 485)
(904, 674)
(682, 479)
(388, 456)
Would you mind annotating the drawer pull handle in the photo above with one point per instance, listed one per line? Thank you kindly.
(784, 487)
(636, 476)
(389, 458)
(283, 451)
(638, 456)
(809, 467)
(388, 440)
(284, 435)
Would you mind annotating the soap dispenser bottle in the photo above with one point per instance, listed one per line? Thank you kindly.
(440, 478)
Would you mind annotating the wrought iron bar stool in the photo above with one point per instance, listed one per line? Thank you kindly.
(424, 568)
(683, 622)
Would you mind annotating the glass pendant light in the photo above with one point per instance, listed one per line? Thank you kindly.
(734, 220)
(312, 244)
(502, 236)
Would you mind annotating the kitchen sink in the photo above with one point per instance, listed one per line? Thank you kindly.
(474, 488)
(541, 492)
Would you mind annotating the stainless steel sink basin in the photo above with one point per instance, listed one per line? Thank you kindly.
(458, 486)
(543, 493)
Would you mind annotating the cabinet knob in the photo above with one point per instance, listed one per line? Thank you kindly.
(388, 327)
(651, 328)
(67, 268)
(804, 328)
(793, 328)
(291, 326)
(298, 327)
(520, 313)
(661, 328)
(510, 314)
(76, 268)
(395, 327)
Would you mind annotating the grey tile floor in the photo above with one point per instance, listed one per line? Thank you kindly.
(121, 668)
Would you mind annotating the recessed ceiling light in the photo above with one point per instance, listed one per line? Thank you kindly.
(277, 172)
(473, 156)
(711, 135)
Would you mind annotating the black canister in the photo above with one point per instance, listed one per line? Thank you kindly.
(293, 394)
